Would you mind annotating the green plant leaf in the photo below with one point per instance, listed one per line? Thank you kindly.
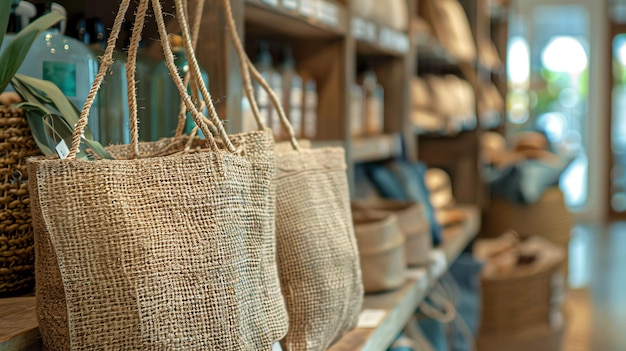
(49, 129)
(5, 11)
(14, 54)
(45, 92)
(34, 116)
(47, 111)
(60, 126)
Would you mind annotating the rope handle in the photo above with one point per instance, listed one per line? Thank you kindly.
(449, 311)
(247, 67)
(194, 68)
(195, 32)
(107, 61)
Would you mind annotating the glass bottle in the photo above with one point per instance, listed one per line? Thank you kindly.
(292, 90)
(113, 95)
(264, 64)
(374, 103)
(165, 99)
(66, 62)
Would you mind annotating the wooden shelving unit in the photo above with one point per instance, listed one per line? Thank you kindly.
(328, 42)
(373, 39)
(298, 18)
(397, 307)
(18, 323)
(374, 148)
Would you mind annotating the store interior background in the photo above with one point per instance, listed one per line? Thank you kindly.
(578, 49)
(566, 76)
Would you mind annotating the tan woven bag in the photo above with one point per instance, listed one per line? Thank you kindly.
(171, 252)
(317, 253)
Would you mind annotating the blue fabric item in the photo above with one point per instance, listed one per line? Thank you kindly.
(402, 180)
(525, 182)
(413, 175)
(466, 273)
(387, 183)
(435, 333)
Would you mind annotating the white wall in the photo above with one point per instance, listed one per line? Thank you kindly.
(599, 120)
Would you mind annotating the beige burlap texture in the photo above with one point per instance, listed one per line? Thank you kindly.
(317, 253)
(381, 250)
(171, 252)
(316, 248)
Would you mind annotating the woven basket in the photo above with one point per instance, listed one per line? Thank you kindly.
(16, 234)
(524, 298)
(381, 251)
(413, 223)
(548, 218)
(537, 339)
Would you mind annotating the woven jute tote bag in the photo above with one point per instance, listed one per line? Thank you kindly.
(17, 260)
(170, 252)
(316, 249)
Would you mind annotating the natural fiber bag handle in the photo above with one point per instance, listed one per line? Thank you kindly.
(195, 32)
(194, 69)
(195, 75)
(107, 61)
(247, 67)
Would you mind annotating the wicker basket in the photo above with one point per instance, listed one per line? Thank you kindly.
(525, 297)
(413, 223)
(16, 234)
(548, 218)
(381, 251)
(537, 339)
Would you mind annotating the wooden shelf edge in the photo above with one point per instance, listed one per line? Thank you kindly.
(429, 48)
(400, 305)
(328, 20)
(375, 39)
(375, 148)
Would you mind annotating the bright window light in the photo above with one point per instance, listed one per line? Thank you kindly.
(565, 54)
(621, 53)
(518, 62)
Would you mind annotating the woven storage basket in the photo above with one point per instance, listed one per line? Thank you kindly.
(524, 298)
(548, 218)
(381, 251)
(537, 339)
(16, 233)
(413, 224)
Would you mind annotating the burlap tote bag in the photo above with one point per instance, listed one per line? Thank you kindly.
(169, 252)
(316, 249)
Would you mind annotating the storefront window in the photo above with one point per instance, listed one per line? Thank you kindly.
(548, 87)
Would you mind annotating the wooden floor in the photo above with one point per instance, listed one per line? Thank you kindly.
(597, 302)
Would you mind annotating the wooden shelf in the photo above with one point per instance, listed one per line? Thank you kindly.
(304, 19)
(376, 40)
(429, 49)
(18, 323)
(375, 148)
(399, 306)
